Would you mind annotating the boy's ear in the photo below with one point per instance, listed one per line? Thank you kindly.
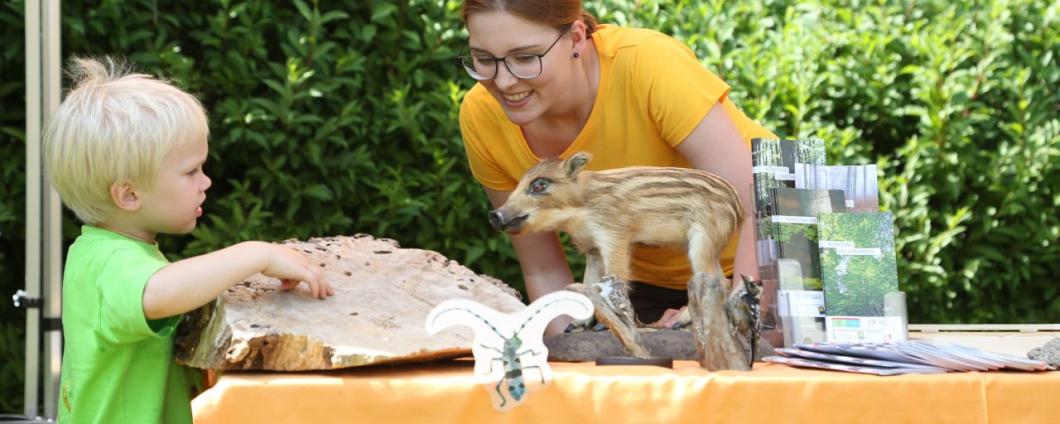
(124, 196)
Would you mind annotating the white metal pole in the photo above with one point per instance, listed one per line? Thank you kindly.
(51, 220)
(33, 204)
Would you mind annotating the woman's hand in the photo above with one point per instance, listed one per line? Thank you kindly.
(670, 318)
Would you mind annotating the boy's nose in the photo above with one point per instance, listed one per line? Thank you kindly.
(208, 183)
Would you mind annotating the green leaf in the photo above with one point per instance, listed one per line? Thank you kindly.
(382, 11)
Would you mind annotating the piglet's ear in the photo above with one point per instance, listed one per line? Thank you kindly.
(575, 163)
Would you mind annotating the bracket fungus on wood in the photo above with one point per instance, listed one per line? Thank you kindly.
(383, 293)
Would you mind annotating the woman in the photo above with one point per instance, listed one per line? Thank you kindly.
(553, 82)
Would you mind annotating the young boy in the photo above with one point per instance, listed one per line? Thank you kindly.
(125, 152)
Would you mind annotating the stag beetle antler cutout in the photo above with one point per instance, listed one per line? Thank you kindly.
(506, 345)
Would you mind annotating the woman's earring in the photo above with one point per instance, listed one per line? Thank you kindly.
(575, 55)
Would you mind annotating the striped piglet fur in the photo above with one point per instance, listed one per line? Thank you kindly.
(607, 212)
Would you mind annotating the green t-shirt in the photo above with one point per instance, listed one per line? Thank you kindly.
(117, 365)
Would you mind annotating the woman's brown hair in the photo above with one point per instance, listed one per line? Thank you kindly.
(553, 13)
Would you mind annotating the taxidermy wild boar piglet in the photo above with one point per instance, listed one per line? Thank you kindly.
(607, 212)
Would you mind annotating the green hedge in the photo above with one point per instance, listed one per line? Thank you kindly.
(337, 118)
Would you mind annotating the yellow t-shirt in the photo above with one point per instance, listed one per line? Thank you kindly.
(652, 93)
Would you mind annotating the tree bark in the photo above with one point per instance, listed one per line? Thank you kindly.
(717, 343)
(615, 311)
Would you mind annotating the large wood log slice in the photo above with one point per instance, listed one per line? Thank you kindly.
(383, 294)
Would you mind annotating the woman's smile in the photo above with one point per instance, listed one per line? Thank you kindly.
(517, 99)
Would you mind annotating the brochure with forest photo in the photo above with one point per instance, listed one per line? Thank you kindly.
(858, 270)
(858, 183)
(774, 162)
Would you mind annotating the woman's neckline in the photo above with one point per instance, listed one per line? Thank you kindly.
(589, 125)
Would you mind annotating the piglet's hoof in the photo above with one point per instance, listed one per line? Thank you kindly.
(593, 325)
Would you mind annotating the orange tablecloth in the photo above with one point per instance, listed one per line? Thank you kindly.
(583, 392)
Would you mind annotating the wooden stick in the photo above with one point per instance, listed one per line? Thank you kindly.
(615, 311)
(717, 342)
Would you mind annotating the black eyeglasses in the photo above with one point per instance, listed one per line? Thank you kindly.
(522, 65)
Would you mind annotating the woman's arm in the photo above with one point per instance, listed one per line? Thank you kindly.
(715, 146)
(541, 258)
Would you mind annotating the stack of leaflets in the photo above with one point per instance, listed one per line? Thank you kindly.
(786, 258)
(774, 164)
(793, 230)
(909, 357)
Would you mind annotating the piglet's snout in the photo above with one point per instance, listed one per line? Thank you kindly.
(496, 219)
(507, 221)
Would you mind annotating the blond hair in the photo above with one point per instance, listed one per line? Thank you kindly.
(114, 126)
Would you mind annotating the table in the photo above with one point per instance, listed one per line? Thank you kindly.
(583, 392)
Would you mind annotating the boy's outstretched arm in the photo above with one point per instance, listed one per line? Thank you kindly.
(190, 283)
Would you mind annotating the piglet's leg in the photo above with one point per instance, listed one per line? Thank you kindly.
(593, 273)
(616, 253)
(594, 268)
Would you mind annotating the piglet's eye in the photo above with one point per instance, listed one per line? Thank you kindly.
(538, 186)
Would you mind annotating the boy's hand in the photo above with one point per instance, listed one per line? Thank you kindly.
(291, 267)
(190, 283)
